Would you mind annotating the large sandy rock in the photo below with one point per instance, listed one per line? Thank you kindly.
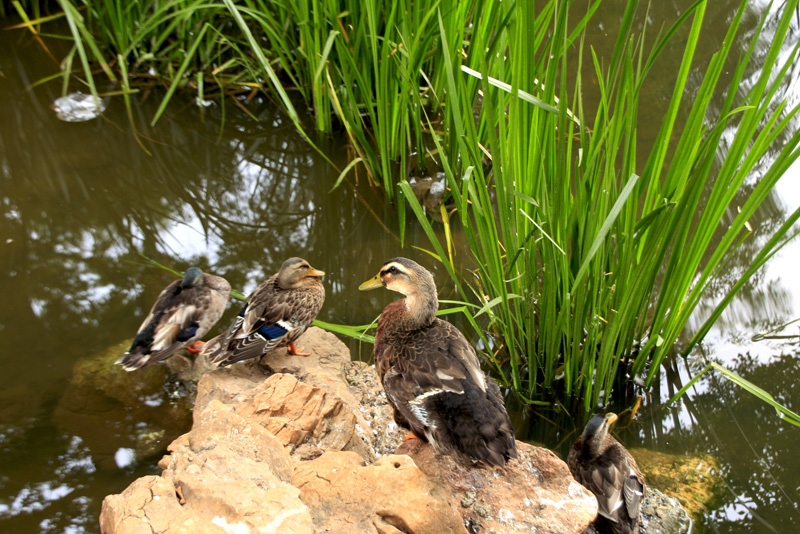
(306, 402)
(227, 475)
(284, 445)
(533, 493)
(390, 496)
(149, 503)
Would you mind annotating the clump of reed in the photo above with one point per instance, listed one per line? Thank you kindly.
(591, 257)
(590, 261)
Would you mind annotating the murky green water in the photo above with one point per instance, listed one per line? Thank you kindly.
(80, 202)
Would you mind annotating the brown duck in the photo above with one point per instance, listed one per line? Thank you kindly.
(607, 469)
(274, 315)
(431, 374)
(184, 311)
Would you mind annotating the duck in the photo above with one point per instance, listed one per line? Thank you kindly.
(274, 315)
(431, 374)
(183, 313)
(606, 468)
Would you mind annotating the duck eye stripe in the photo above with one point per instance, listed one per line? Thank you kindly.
(392, 269)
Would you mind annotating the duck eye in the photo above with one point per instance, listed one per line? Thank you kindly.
(393, 269)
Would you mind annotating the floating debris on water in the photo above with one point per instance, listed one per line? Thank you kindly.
(124, 457)
(437, 188)
(78, 107)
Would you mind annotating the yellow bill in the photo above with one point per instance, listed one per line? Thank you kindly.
(372, 283)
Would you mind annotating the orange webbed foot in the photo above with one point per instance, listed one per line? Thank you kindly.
(409, 436)
(196, 347)
(294, 350)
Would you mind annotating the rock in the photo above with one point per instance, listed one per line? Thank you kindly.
(390, 496)
(227, 475)
(366, 387)
(284, 445)
(188, 368)
(98, 373)
(325, 370)
(300, 414)
(148, 502)
(662, 514)
(307, 410)
(533, 493)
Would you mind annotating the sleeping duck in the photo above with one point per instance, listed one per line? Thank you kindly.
(274, 315)
(607, 469)
(185, 310)
(431, 373)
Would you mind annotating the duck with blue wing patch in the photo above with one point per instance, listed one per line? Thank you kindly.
(607, 469)
(183, 313)
(431, 373)
(275, 315)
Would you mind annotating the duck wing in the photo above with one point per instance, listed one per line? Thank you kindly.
(460, 350)
(633, 490)
(423, 362)
(173, 323)
(271, 317)
(436, 384)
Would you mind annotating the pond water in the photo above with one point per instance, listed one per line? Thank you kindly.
(81, 202)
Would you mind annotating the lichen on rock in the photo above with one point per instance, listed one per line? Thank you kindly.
(691, 479)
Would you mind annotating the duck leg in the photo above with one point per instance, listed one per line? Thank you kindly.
(294, 350)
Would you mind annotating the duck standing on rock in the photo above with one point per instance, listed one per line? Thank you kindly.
(274, 315)
(431, 373)
(607, 469)
(185, 310)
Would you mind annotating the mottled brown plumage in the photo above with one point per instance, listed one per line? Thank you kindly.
(607, 469)
(275, 315)
(432, 376)
(184, 311)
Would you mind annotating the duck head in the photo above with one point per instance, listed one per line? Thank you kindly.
(296, 272)
(193, 277)
(410, 279)
(596, 430)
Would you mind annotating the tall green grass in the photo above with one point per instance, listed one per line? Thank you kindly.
(371, 68)
(591, 260)
(367, 67)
